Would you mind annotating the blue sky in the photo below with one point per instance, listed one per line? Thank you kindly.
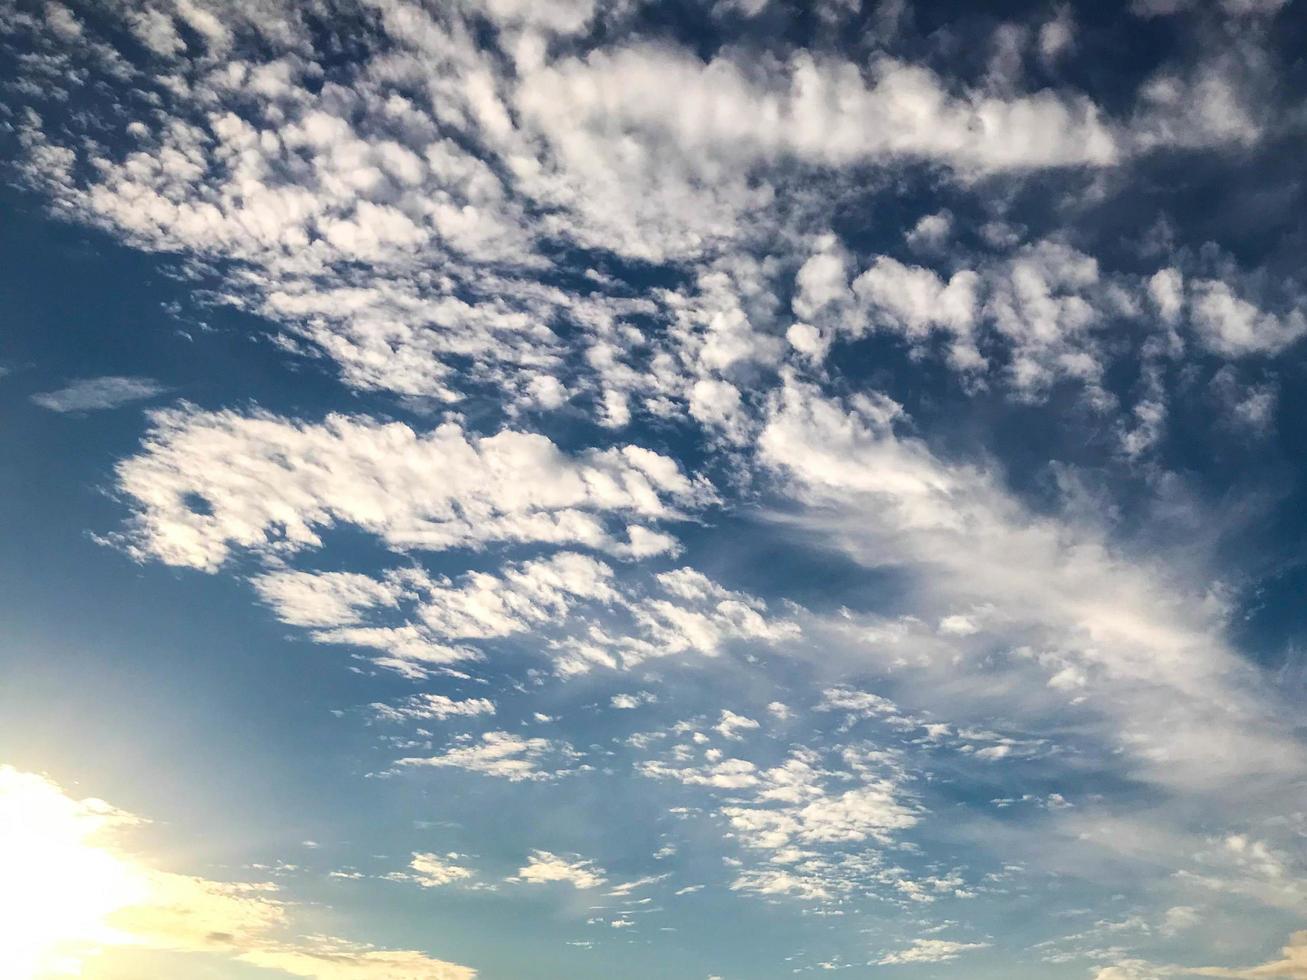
(717, 489)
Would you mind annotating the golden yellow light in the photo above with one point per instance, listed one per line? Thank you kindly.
(58, 882)
(67, 890)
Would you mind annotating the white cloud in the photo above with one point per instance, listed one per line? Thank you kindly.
(1166, 290)
(724, 774)
(421, 707)
(1042, 307)
(913, 301)
(1148, 425)
(1039, 304)
(328, 959)
(1219, 101)
(931, 232)
(699, 616)
(869, 812)
(208, 482)
(413, 619)
(63, 22)
(626, 887)
(1057, 36)
(558, 16)
(717, 403)
(731, 724)
(326, 599)
(497, 754)
(628, 702)
(823, 111)
(95, 394)
(1181, 701)
(811, 824)
(547, 391)
(405, 649)
(435, 870)
(332, 210)
(1247, 407)
(1230, 325)
(533, 593)
(542, 868)
(1180, 918)
(930, 951)
(958, 625)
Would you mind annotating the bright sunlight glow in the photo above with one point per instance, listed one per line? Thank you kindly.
(57, 885)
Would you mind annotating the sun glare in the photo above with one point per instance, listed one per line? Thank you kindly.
(58, 882)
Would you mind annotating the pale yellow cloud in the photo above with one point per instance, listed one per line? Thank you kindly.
(70, 891)
(334, 959)
(1292, 964)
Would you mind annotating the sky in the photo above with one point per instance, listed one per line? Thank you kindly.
(706, 489)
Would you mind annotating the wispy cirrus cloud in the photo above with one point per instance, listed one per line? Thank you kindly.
(99, 394)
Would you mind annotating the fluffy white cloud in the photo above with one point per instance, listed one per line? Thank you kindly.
(869, 812)
(724, 774)
(1040, 307)
(208, 482)
(930, 232)
(1230, 325)
(629, 702)
(913, 301)
(732, 724)
(535, 593)
(331, 206)
(1039, 304)
(811, 824)
(930, 951)
(326, 599)
(856, 702)
(413, 619)
(1248, 407)
(558, 16)
(1220, 101)
(421, 707)
(823, 111)
(435, 870)
(543, 868)
(498, 754)
(1046, 310)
